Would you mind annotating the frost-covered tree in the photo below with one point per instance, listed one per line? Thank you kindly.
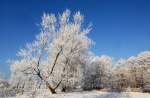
(97, 72)
(4, 87)
(3, 83)
(56, 56)
(120, 76)
(105, 70)
(133, 72)
(143, 70)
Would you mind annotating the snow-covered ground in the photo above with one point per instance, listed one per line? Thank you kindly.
(92, 94)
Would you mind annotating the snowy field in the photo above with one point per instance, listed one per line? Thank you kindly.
(93, 94)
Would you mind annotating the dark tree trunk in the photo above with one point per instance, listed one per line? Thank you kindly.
(52, 90)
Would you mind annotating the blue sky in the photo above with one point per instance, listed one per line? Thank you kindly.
(121, 28)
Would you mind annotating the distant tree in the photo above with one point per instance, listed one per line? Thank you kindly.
(119, 79)
(133, 72)
(143, 70)
(4, 87)
(97, 73)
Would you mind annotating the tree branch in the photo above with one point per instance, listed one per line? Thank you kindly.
(58, 84)
(56, 60)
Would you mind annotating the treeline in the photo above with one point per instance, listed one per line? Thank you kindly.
(133, 72)
(124, 75)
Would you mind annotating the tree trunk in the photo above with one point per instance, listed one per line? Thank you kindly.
(52, 90)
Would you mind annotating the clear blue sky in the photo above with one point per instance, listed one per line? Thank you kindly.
(121, 28)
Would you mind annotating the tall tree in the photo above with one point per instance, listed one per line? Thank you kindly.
(55, 56)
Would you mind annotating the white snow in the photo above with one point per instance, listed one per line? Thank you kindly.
(92, 94)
